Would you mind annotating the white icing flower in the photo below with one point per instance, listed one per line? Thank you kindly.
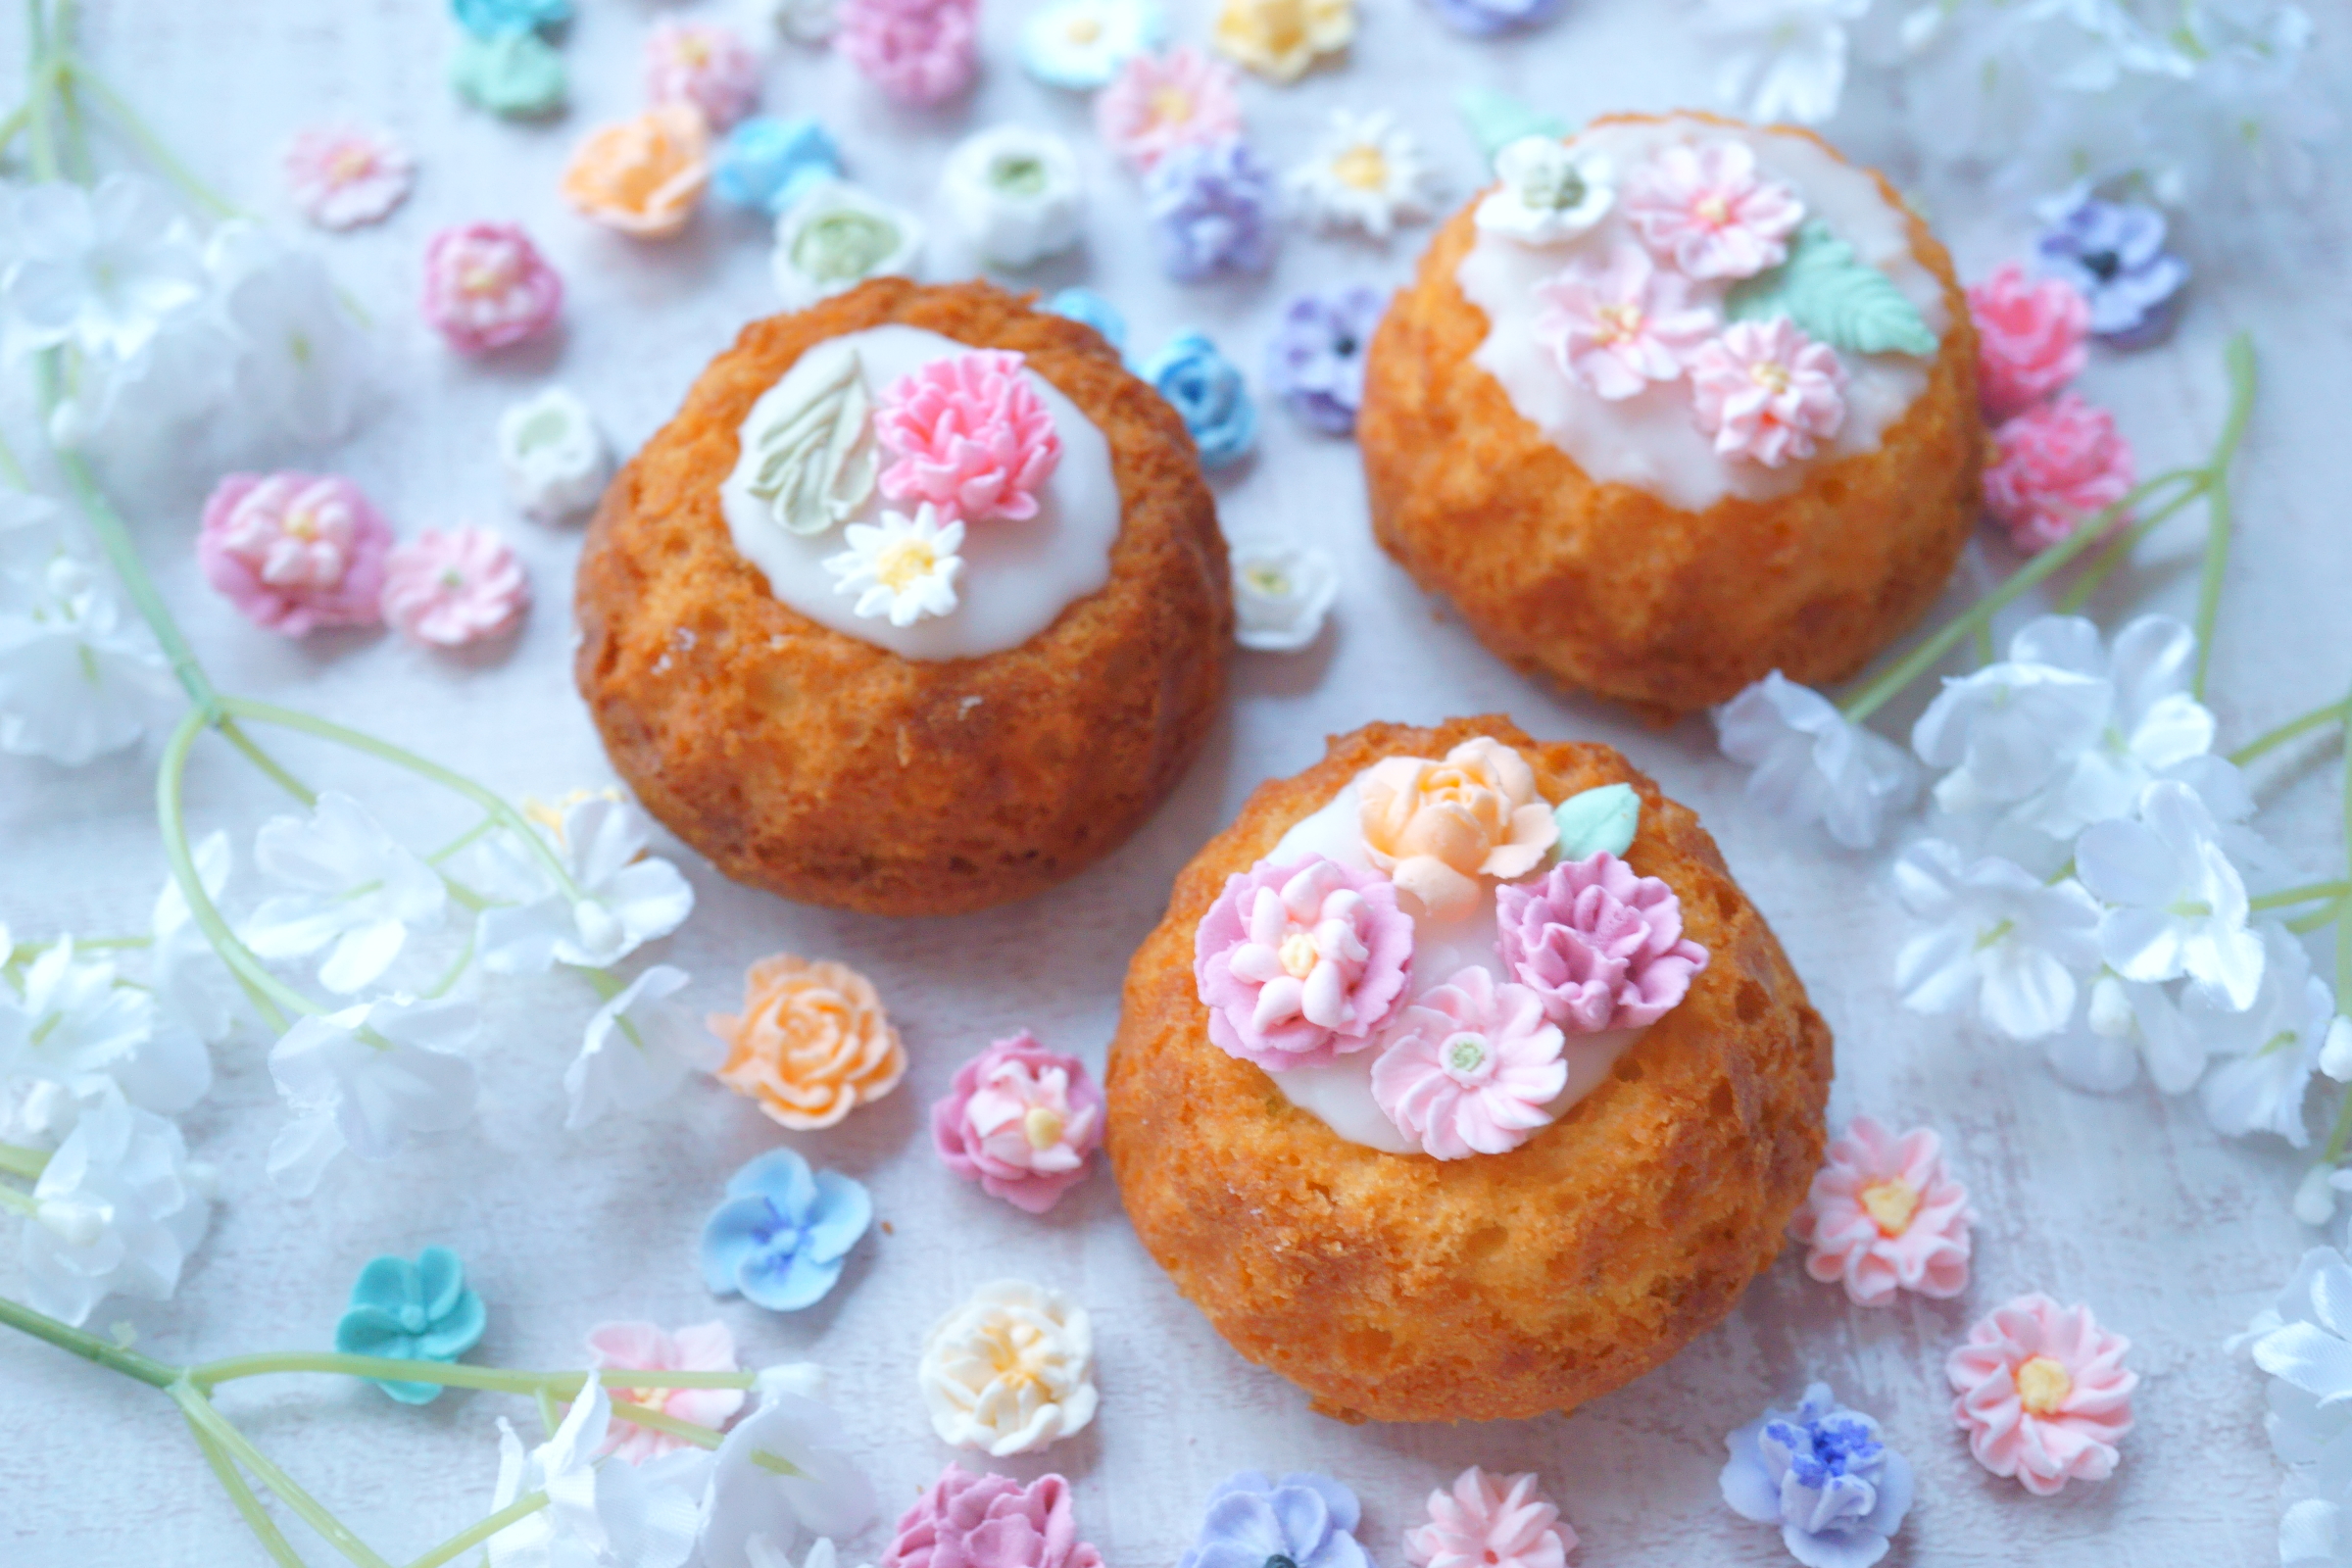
(1367, 173)
(1281, 593)
(835, 237)
(80, 677)
(1812, 764)
(553, 456)
(1010, 1370)
(1015, 193)
(637, 1048)
(901, 566)
(1080, 44)
(1549, 192)
(355, 887)
(805, 21)
(627, 897)
(365, 1079)
(116, 1212)
(1997, 937)
(598, 1515)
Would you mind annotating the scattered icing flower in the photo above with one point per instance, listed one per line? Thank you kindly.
(352, 885)
(2028, 338)
(450, 589)
(1996, 936)
(1824, 1474)
(1159, 103)
(1085, 304)
(1437, 828)
(637, 1046)
(1812, 762)
(1469, 1068)
(1618, 324)
(1083, 43)
(1281, 593)
(1766, 392)
(100, 269)
(1300, 964)
(412, 1311)
(486, 288)
(553, 456)
(835, 237)
(610, 1516)
(116, 1210)
(2176, 906)
(519, 75)
(342, 176)
(1305, 1519)
(987, 1521)
(901, 566)
(636, 1346)
(1280, 38)
(2124, 1022)
(811, 1044)
(1211, 210)
(771, 164)
(1709, 209)
(1021, 1121)
(1884, 1215)
(919, 52)
(295, 552)
(642, 176)
(702, 64)
(1208, 392)
(1780, 60)
(1315, 361)
(367, 1078)
(804, 22)
(2042, 1394)
(2113, 253)
(968, 436)
(1600, 946)
(626, 897)
(80, 676)
(783, 1233)
(1010, 1370)
(1015, 193)
(2053, 466)
(1484, 19)
(1367, 173)
(1546, 192)
(750, 1514)
(2299, 1340)
(502, 19)
(2269, 1049)
(1490, 1522)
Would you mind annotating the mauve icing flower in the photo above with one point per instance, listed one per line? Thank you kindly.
(1303, 963)
(1617, 325)
(987, 1521)
(1602, 947)
(1439, 826)
(451, 589)
(701, 64)
(1021, 1121)
(486, 286)
(645, 1347)
(1709, 211)
(1301, 1518)
(1315, 362)
(1483, 19)
(2028, 338)
(968, 434)
(1766, 392)
(295, 552)
(1469, 1066)
(2114, 253)
(1159, 103)
(342, 177)
(1884, 1216)
(1211, 209)
(2053, 466)
(1490, 1522)
(919, 52)
(2043, 1395)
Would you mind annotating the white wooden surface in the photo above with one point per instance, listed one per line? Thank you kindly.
(2130, 1204)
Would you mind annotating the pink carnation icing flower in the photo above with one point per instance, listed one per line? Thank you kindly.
(2043, 1394)
(486, 286)
(1021, 1121)
(2030, 338)
(919, 52)
(1602, 947)
(342, 176)
(1159, 103)
(1709, 211)
(2053, 466)
(295, 552)
(1618, 326)
(451, 589)
(1883, 1216)
(704, 65)
(1490, 1523)
(1766, 392)
(967, 433)
(643, 1346)
(1303, 963)
(1469, 1066)
(990, 1521)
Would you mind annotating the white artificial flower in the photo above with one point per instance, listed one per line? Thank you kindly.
(2315, 1196)
(1010, 1370)
(97, 269)
(1811, 763)
(365, 1079)
(354, 886)
(37, 1112)
(80, 676)
(2125, 1022)
(196, 998)
(116, 1211)
(1015, 193)
(2304, 1341)
(637, 1048)
(598, 1515)
(835, 236)
(900, 567)
(1548, 192)
(1281, 593)
(627, 897)
(299, 350)
(2252, 118)
(2013, 728)
(2177, 905)
(553, 456)
(1997, 936)
(181, 372)
(752, 1515)
(1367, 173)
(759, 1551)
(2269, 1049)
(74, 1025)
(2314, 1533)
(1781, 59)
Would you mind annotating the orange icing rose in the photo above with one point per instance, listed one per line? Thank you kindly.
(643, 176)
(813, 1043)
(1437, 827)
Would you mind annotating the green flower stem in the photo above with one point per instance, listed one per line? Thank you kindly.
(12, 472)
(472, 836)
(21, 1202)
(89, 1346)
(2304, 925)
(12, 127)
(609, 985)
(2340, 1132)
(17, 1160)
(2309, 893)
(702, 1436)
(247, 1506)
(457, 966)
(2335, 712)
(563, 1385)
(2087, 581)
(42, 80)
(151, 146)
(2240, 357)
(457, 1545)
(236, 1445)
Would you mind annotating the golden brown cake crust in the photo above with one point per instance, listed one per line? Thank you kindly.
(1409, 1289)
(832, 771)
(1609, 588)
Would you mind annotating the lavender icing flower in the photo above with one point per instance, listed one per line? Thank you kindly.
(1306, 1520)
(1602, 946)
(1212, 207)
(2114, 253)
(1483, 19)
(1316, 360)
(1823, 1475)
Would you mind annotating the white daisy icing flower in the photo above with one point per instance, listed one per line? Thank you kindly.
(1281, 593)
(1015, 193)
(902, 568)
(1080, 44)
(835, 237)
(1549, 192)
(554, 459)
(1010, 1370)
(1368, 172)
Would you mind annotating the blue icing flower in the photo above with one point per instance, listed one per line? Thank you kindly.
(1820, 1473)
(418, 1311)
(1085, 304)
(1304, 1520)
(500, 19)
(781, 1236)
(1082, 43)
(769, 163)
(2114, 253)
(1207, 390)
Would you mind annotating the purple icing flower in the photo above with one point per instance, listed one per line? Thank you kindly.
(2114, 253)
(1306, 1520)
(1301, 964)
(1602, 947)
(1211, 207)
(1483, 19)
(1316, 360)
(1824, 1475)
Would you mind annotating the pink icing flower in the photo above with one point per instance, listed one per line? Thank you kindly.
(916, 51)
(704, 65)
(1709, 211)
(1487, 1523)
(1468, 1067)
(295, 552)
(643, 1346)
(1159, 103)
(2030, 338)
(1766, 392)
(2054, 466)
(2043, 1394)
(486, 286)
(1303, 963)
(342, 177)
(1616, 326)
(967, 433)
(1883, 1216)
(451, 589)
(1602, 947)
(990, 1521)
(1021, 1121)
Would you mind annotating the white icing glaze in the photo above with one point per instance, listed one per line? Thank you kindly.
(1650, 440)
(1017, 576)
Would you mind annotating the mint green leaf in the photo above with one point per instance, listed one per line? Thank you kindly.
(1497, 119)
(1603, 818)
(517, 75)
(1834, 299)
(814, 465)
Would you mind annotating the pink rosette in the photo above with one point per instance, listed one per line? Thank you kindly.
(451, 589)
(1766, 392)
(295, 552)
(1602, 947)
(1883, 1216)
(1618, 326)
(968, 434)
(2030, 338)
(919, 52)
(1159, 103)
(486, 286)
(701, 64)
(342, 177)
(1469, 1066)
(991, 1521)
(2053, 466)
(2043, 1395)
(1021, 1121)
(1708, 211)
(644, 1348)
(1303, 963)
(1490, 1521)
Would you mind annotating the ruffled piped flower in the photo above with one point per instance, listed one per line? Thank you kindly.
(2028, 338)
(901, 568)
(1618, 324)
(1884, 1215)
(295, 552)
(1083, 43)
(968, 434)
(1767, 392)
(648, 1347)
(1710, 211)
(1211, 210)
(1367, 173)
(342, 176)
(1010, 1370)
(1280, 39)
(1281, 593)
(1315, 359)
(552, 455)
(2114, 253)
(1021, 1121)
(450, 589)
(1490, 1522)
(519, 75)
(1015, 193)
(1470, 1066)
(811, 1044)
(1302, 963)
(1159, 103)
(1438, 827)
(984, 1521)
(2043, 1394)
(1547, 192)
(770, 163)
(486, 288)
(919, 52)
(412, 1311)
(1305, 1519)
(2054, 466)
(702, 64)
(1208, 392)
(1825, 1475)
(835, 236)
(1601, 946)
(642, 176)
(783, 1233)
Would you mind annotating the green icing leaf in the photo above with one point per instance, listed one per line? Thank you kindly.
(1605, 818)
(1497, 119)
(814, 465)
(1836, 299)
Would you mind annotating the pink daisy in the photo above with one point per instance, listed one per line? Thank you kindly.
(1883, 1216)
(1490, 1523)
(486, 286)
(342, 176)
(701, 64)
(451, 589)
(1159, 103)
(1766, 392)
(2042, 1394)
(644, 1347)
(1469, 1066)
(295, 552)
(1618, 326)
(1709, 211)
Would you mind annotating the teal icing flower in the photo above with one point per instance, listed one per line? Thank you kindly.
(517, 75)
(770, 163)
(418, 1311)
(1080, 44)
(504, 18)
(783, 1233)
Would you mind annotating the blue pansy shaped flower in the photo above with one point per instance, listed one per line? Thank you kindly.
(1304, 1520)
(1085, 304)
(1082, 43)
(1206, 389)
(419, 1311)
(783, 1232)
(769, 163)
(1820, 1473)
(502, 19)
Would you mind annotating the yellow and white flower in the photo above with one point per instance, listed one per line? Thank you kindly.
(1367, 173)
(902, 568)
(1280, 38)
(1010, 1370)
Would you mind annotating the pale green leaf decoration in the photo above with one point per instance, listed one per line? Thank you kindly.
(1605, 818)
(815, 463)
(1834, 298)
(1497, 119)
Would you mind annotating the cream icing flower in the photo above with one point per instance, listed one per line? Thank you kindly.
(1548, 192)
(1010, 1370)
(1490, 1521)
(1367, 173)
(1159, 103)
(1280, 38)
(2042, 1394)
(642, 176)
(552, 455)
(1281, 594)
(1015, 193)
(1470, 1067)
(342, 176)
(1437, 828)
(902, 568)
(835, 237)
(811, 1044)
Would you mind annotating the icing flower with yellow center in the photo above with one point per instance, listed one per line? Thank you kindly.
(1617, 325)
(2043, 1395)
(1159, 103)
(642, 176)
(1767, 392)
(902, 568)
(1883, 1216)
(1368, 173)
(811, 1043)
(1010, 1370)
(486, 288)
(702, 64)
(1710, 211)
(1302, 963)
(295, 552)
(342, 176)
(1437, 828)
(1280, 38)
(1021, 1121)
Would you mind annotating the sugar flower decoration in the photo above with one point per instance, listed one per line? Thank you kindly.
(1995, 937)
(1767, 392)
(1490, 1522)
(783, 1233)
(552, 455)
(1709, 211)
(1602, 947)
(1469, 1066)
(2028, 338)
(647, 1347)
(412, 1311)
(1020, 1121)
(984, 1521)
(900, 568)
(1825, 1475)
(2053, 466)
(1302, 1518)
(1484, 19)
(1367, 173)
(342, 176)
(1546, 192)
(642, 176)
(1009, 1371)
(1280, 39)
(295, 552)
(1615, 325)
(2043, 1395)
(770, 163)
(2177, 905)
(702, 64)
(505, 19)
(811, 1044)
(835, 237)
(1440, 826)
(919, 52)
(1083, 43)
(811, 22)
(1303, 963)
(116, 1211)
(486, 288)
(447, 590)
(1208, 392)
(1211, 210)
(1315, 361)
(1281, 592)
(968, 435)
(367, 1080)
(1159, 103)
(1811, 763)
(1015, 193)
(626, 897)
(2113, 253)
(1085, 304)
(1883, 1215)
(519, 75)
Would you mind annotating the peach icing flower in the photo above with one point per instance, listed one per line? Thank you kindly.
(811, 1043)
(451, 589)
(295, 552)
(1021, 1121)
(1490, 1522)
(1470, 1066)
(644, 175)
(2042, 1394)
(486, 286)
(1620, 325)
(968, 434)
(1884, 1216)
(1766, 392)
(2030, 338)
(643, 1346)
(702, 64)
(2053, 466)
(1159, 103)
(1280, 38)
(342, 176)
(916, 51)
(1602, 947)
(1437, 828)
(1303, 963)
(1709, 211)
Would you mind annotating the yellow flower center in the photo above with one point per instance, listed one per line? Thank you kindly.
(693, 51)
(903, 563)
(351, 163)
(482, 279)
(1619, 323)
(1770, 374)
(1361, 166)
(1170, 106)
(1267, 580)
(1891, 1202)
(2043, 1385)
(1042, 1128)
(1713, 210)
(302, 523)
(1297, 954)
(1085, 29)
(1009, 1347)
